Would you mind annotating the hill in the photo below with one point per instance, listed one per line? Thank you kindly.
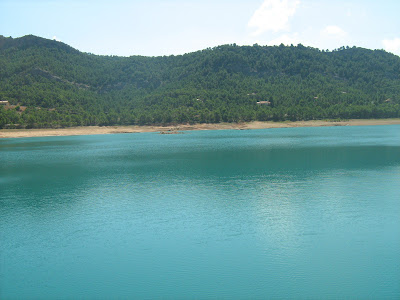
(45, 83)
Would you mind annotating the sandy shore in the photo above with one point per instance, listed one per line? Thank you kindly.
(89, 130)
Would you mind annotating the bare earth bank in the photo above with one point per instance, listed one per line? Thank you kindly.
(89, 130)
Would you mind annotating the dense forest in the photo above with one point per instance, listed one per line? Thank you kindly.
(45, 83)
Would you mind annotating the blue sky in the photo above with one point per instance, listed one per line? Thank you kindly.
(155, 27)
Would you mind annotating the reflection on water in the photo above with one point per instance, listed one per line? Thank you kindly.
(287, 213)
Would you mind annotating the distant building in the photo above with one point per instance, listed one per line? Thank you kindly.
(263, 102)
(4, 102)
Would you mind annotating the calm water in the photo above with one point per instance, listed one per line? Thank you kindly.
(278, 213)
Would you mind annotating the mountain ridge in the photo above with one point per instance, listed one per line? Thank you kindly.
(61, 86)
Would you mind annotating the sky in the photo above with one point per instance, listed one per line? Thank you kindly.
(155, 27)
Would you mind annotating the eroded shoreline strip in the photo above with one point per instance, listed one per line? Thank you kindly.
(93, 130)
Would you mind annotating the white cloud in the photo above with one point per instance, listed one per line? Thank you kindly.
(392, 45)
(273, 15)
(55, 39)
(333, 30)
(285, 39)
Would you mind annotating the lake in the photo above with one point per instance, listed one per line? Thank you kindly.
(271, 213)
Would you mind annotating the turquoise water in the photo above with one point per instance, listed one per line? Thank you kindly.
(277, 213)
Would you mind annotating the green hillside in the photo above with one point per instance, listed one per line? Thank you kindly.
(50, 84)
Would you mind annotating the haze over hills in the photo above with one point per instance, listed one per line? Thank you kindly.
(45, 83)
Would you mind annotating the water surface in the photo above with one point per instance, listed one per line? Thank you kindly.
(271, 213)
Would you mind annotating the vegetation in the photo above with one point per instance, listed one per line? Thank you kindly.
(49, 84)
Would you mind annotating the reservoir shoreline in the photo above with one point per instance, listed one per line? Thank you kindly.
(170, 129)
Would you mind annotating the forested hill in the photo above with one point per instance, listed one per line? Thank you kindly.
(45, 83)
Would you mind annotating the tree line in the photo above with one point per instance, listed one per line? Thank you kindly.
(50, 84)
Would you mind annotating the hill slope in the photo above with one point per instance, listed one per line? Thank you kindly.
(49, 84)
